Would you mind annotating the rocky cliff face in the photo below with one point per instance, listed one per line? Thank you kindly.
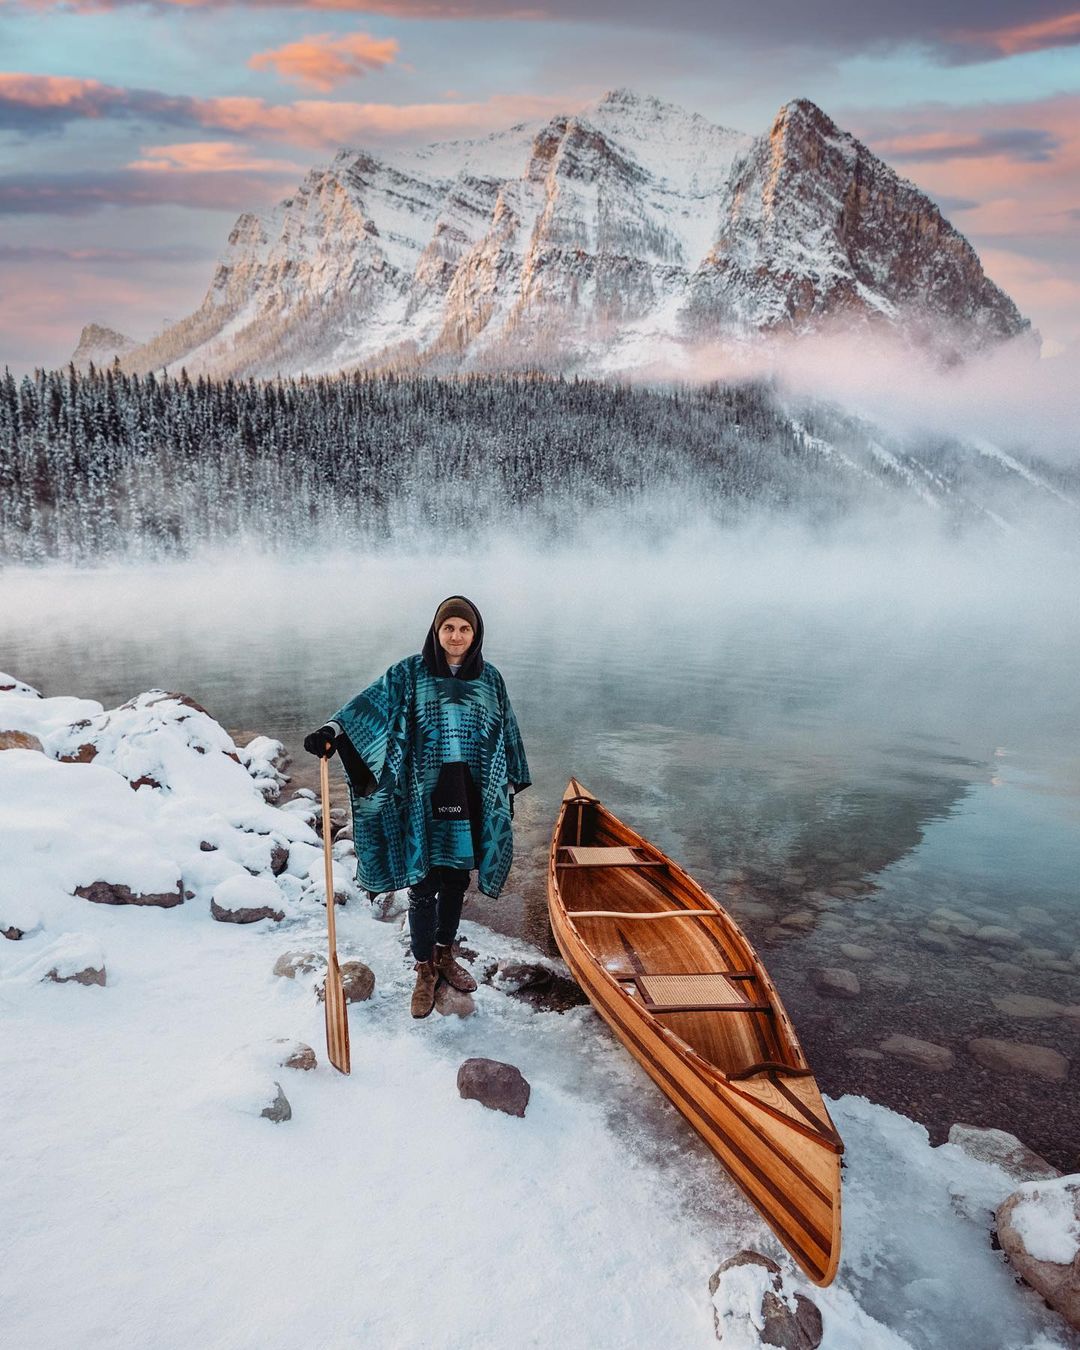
(99, 346)
(593, 242)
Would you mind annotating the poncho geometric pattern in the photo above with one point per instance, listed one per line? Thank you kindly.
(406, 726)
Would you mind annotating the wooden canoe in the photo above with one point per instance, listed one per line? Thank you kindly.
(678, 982)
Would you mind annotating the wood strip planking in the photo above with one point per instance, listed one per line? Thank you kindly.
(777, 1141)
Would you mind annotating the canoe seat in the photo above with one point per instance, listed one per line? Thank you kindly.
(694, 993)
(575, 855)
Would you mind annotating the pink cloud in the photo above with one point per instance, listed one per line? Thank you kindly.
(40, 103)
(322, 123)
(1063, 30)
(323, 61)
(210, 157)
(978, 153)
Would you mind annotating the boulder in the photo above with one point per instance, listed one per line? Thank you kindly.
(952, 921)
(512, 976)
(834, 982)
(357, 982)
(1027, 1005)
(10, 685)
(389, 905)
(498, 1086)
(1019, 1057)
(1038, 1227)
(996, 936)
(88, 975)
(936, 942)
(279, 1109)
(247, 899)
(925, 1054)
(851, 951)
(801, 920)
(453, 1002)
(114, 893)
(291, 964)
(750, 1306)
(294, 1054)
(279, 859)
(1004, 1150)
(19, 740)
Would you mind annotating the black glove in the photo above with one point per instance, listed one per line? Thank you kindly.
(321, 742)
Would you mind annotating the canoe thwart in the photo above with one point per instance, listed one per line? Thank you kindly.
(769, 1066)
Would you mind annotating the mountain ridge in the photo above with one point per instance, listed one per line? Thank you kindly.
(591, 241)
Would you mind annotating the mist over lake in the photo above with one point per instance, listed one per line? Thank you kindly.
(847, 742)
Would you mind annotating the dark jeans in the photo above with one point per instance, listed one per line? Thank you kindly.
(435, 910)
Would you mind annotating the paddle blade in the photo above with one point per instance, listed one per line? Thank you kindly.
(337, 1019)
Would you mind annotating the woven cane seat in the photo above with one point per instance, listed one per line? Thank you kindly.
(671, 991)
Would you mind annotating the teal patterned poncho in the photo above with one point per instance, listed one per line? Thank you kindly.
(405, 727)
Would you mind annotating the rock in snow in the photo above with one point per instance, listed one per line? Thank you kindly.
(357, 982)
(279, 1109)
(494, 1084)
(751, 1307)
(247, 899)
(1039, 1231)
(1004, 1150)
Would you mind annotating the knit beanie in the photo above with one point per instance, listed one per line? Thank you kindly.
(456, 608)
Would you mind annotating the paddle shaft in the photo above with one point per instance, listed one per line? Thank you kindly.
(324, 783)
(337, 1017)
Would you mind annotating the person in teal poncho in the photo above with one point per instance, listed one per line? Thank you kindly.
(434, 758)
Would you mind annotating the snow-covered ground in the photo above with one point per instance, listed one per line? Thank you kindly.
(147, 1202)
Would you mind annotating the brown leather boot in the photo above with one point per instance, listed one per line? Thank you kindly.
(451, 971)
(423, 994)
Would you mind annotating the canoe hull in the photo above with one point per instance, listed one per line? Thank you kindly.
(791, 1175)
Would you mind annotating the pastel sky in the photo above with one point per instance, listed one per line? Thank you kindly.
(133, 132)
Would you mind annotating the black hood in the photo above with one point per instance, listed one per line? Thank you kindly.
(435, 658)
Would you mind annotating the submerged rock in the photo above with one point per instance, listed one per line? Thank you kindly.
(498, 1086)
(925, 1054)
(751, 1306)
(1039, 1231)
(997, 936)
(1028, 1005)
(1019, 1057)
(834, 982)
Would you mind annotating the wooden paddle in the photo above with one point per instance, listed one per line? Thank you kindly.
(337, 1016)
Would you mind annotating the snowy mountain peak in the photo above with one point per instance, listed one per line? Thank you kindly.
(600, 240)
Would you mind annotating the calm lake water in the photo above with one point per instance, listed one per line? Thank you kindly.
(839, 743)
